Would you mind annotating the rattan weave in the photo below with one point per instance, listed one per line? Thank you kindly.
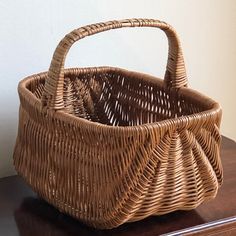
(109, 146)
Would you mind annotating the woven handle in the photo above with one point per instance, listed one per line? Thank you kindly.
(175, 76)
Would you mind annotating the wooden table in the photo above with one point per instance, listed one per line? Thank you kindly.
(22, 213)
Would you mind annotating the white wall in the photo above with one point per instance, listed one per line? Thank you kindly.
(30, 30)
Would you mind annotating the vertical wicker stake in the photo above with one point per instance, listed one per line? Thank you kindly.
(110, 146)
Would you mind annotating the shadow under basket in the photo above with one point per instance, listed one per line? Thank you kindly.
(109, 146)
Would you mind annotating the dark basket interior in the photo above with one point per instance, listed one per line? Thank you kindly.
(118, 97)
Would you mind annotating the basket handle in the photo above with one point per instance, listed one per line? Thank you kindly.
(175, 75)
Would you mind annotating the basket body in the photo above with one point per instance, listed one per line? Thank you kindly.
(124, 147)
(105, 176)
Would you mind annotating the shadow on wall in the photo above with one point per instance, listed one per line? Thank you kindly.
(8, 131)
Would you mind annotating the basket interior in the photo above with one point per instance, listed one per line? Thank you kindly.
(117, 97)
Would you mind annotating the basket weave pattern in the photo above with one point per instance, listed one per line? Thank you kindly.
(107, 145)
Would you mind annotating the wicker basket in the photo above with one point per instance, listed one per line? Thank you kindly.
(109, 146)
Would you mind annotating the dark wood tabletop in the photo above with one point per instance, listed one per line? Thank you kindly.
(23, 213)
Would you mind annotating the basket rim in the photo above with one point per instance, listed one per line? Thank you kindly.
(178, 121)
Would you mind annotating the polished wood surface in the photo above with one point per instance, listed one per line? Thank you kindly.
(22, 213)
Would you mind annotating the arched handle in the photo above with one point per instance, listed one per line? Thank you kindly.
(175, 76)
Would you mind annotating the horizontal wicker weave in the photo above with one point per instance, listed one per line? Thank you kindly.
(109, 146)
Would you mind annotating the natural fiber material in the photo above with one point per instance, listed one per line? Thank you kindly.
(107, 145)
